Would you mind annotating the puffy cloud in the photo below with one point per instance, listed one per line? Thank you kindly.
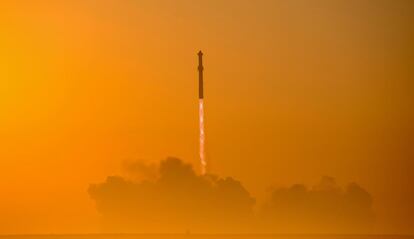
(139, 170)
(326, 207)
(178, 200)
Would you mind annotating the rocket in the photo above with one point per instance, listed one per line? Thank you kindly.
(201, 112)
(200, 76)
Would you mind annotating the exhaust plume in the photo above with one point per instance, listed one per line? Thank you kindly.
(202, 137)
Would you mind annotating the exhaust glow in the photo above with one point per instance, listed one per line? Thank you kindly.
(202, 137)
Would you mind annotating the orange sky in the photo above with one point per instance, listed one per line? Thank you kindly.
(294, 90)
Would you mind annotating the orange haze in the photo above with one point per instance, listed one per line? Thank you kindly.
(294, 91)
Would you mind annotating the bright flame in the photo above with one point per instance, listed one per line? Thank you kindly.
(202, 137)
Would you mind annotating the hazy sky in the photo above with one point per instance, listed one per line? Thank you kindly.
(294, 90)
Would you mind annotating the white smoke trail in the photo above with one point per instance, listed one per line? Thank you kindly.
(202, 137)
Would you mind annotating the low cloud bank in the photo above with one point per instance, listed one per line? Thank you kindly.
(179, 200)
(326, 207)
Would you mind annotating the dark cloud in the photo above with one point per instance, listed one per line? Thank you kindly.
(139, 170)
(326, 207)
(179, 200)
